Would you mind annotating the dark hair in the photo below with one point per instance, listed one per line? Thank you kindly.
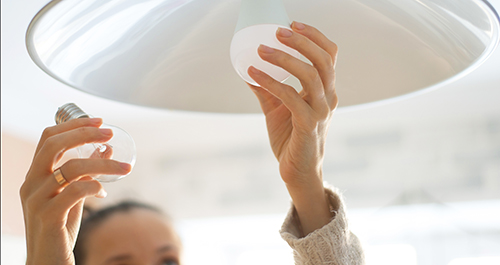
(92, 219)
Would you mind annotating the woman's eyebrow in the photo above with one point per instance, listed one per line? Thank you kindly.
(165, 248)
(120, 257)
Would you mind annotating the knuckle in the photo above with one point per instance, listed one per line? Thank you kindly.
(301, 42)
(283, 58)
(334, 47)
(334, 102)
(334, 50)
(315, 31)
(266, 81)
(50, 141)
(88, 133)
(289, 91)
(84, 188)
(270, 82)
(327, 60)
(78, 189)
(48, 132)
(23, 193)
(325, 113)
(312, 75)
(74, 166)
(83, 130)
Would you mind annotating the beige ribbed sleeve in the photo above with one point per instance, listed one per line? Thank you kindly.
(332, 244)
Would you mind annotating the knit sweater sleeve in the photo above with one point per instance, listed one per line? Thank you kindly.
(333, 244)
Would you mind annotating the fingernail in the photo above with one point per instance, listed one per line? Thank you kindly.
(107, 132)
(126, 166)
(254, 70)
(265, 49)
(298, 25)
(284, 32)
(95, 120)
(102, 194)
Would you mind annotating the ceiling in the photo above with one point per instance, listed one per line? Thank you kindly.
(199, 164)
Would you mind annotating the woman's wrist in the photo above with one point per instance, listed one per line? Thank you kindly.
(311, 204)
(47, 248)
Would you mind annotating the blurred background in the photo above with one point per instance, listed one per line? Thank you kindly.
(420, 177)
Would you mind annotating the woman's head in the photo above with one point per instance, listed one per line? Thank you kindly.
(127, 233)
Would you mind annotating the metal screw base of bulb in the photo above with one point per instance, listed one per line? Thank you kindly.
(69, 111)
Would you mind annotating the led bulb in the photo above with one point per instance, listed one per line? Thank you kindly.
(258, 22)
(244, 51)
(121, 147)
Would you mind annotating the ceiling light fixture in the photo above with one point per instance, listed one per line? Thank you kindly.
(173, 54)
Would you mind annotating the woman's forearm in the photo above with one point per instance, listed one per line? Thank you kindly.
(311, 205)
(297, 122)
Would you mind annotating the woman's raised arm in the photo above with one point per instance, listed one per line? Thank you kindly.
(298, 122)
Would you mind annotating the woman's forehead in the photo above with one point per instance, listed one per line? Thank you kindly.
(136, 221)
(137, 230)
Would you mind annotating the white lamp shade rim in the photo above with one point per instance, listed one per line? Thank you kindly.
(388, 49)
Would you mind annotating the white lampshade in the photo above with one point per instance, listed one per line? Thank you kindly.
(174, 54)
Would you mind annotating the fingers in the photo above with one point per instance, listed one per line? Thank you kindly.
(318, 38)
(315, 36)
(75, 214)
(317, 80)
(268, 101)
(307, 74)
(287, 94)
(38, 207)
(75, 193)
(321, 60)
(58, 143)
(66, 126)
(76, 169)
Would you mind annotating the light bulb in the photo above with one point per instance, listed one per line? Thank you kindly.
(258, 22)
(120, 147)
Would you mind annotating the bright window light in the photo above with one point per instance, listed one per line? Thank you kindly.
(13, 250)
(476, 261)
(266, 257)
(400, 254)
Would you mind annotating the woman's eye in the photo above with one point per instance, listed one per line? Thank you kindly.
(169, 262)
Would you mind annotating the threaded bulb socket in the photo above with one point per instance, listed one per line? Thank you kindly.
(68, 112)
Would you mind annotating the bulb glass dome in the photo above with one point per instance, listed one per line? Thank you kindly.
(244, 51)
(121, 148)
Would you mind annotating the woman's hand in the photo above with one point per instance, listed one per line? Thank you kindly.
(298, 122)
(52, 212)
